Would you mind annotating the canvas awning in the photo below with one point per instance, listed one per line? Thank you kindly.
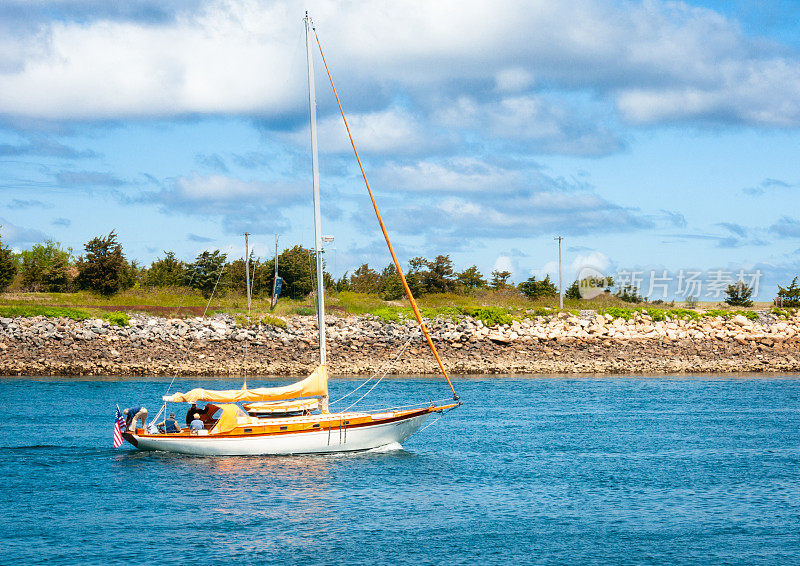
(265, 407)
(315, 385)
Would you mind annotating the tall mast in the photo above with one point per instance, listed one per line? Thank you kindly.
(312, 106)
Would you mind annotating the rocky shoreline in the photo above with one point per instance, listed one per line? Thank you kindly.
(559, 344)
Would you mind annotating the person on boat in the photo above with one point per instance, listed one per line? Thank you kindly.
(132, 414)
(191, 413)
(171, 425)
(196, 424)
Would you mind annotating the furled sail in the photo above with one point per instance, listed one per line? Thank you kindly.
(315, 385)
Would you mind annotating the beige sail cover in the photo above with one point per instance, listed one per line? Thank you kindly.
(314, 385)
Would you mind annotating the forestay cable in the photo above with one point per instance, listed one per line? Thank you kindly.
(409, 294)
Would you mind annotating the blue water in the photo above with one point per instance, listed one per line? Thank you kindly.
(533, 471)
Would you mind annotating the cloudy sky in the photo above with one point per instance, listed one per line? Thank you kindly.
(651, 135)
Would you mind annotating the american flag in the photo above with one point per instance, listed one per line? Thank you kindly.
(119, 422)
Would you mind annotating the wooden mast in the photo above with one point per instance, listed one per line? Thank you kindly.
(409, 294)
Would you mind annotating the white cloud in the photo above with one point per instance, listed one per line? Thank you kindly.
(392, 130)
(16, 235)
(514, 79)
(660, 61)
(544, 124)
(242, 205)
(504, 263)
(596, 261)
(457, 175)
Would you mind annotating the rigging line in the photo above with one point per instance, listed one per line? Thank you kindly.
(379, 380)
(441, 414)
(420, 405)
(186, 291)
(433, 422)
(409, 294)
(377, 373)
(186, 353)
(221, 271)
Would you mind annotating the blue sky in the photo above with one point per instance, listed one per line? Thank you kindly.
(654, 136)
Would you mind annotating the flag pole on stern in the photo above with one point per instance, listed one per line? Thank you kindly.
(409, 294)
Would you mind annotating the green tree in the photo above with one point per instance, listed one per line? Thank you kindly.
(471, 278)
(261, 276)
(8, 267)
(57, 278)
(132, 275)
(342, 284)
(789, 296)
(500, 279)
(101, 269)
(415, 276)
(167, 271)
(534, 289)
(206, 272)
(573, 291)
(365, 280)
(629, 294)
(439, 276)
(295, 267)
(45, 267)
(738, 295)
(328, 281)
(390, 284)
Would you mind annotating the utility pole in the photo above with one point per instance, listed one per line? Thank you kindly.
(273, 298)
(247, 269)
(560, 286)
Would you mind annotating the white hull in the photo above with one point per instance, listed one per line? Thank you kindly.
(316, 442)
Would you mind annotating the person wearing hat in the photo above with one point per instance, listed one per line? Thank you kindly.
(190, 413)
(171, 425)
(196, 424)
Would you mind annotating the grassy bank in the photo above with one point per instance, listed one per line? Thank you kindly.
(113, 316)
(490, 306)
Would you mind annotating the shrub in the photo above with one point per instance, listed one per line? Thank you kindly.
(266, 319)
(390, 314)
(52, 312)
(270, 320)
(683, 313)
(618, 312)
(304, 310)
(118, 319)
(490, 316)
(730, 314)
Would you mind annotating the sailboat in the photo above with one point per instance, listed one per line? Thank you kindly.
(295, 418)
